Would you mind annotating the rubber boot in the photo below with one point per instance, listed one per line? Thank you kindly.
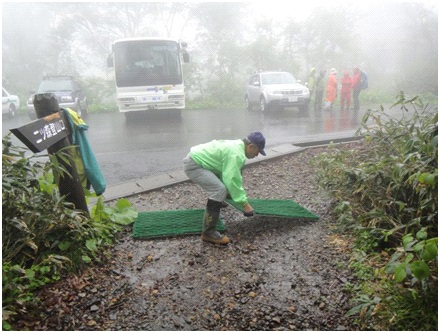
(211, 219)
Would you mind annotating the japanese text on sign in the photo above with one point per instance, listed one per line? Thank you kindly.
(49, 130)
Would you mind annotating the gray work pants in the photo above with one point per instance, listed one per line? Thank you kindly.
(206, 179)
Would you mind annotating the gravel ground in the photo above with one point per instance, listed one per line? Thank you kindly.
(276, 274)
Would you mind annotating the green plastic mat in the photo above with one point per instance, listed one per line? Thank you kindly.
(278, 208)
(170, 223)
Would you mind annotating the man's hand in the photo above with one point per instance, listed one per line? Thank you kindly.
(248, 210)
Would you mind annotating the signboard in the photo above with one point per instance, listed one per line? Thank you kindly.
(42, 133)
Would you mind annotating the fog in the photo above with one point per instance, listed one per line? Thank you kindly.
(394, 42)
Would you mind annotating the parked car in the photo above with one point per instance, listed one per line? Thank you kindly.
(67, 90)
(10, 103)
(276, 89)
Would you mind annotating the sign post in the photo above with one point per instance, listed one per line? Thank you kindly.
(51, 131)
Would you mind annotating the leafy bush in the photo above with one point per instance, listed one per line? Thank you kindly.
(375, 97)
(391, 181)
(213, 104)
(225, 91)
(103, 108)
(99, 90)
(43, 236)
(386, 194)
(38, 222)
(19, 284)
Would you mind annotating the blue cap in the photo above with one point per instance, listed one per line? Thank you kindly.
(259, 140)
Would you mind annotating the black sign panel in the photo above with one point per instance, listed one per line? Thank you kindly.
(42, 133)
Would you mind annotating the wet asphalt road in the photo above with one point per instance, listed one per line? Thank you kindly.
(157, 143)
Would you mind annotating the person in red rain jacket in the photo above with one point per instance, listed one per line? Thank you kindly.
(331, 89)
(356, 88)
(346, 88)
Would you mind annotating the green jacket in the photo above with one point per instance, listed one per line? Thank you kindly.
(225, 158)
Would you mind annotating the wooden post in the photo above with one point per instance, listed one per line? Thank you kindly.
(69, 185)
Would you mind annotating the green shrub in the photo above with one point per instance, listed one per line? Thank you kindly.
(224, 93)
(43, 236)
(103, 108)
(38, 222)
(98, 90)
(213, 104)
(386, 194)
(375, 97)
(391, 182)
(19, 285)
(371, 97)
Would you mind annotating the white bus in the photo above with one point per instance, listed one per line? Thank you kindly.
(148, 74)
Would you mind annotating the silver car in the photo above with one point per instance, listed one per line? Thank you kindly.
(276, 89)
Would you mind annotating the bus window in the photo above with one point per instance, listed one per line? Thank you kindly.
(145, 63)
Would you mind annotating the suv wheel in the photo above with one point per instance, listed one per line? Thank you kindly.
(78, 108)
(12, 110)
(263, 104)
(248, 106)
(304, 108)
(84, 111)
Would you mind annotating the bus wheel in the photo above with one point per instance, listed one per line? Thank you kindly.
(129, 116)
(177, 113)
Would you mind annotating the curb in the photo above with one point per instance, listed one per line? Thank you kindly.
(144, 185)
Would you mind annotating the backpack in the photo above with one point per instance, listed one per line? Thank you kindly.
(363, 80)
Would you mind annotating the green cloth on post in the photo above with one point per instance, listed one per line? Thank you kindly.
(91, 166)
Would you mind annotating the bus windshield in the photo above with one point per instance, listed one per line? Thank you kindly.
(147, 62)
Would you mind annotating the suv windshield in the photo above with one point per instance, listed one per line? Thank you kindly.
(278, 78)
(55, 85)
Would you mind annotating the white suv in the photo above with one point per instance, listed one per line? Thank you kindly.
(10, 103)
(280, 89)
